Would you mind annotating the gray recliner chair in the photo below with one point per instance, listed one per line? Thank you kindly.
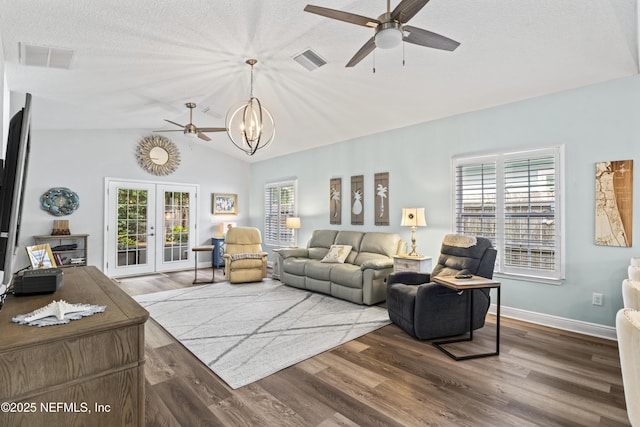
(427, 310)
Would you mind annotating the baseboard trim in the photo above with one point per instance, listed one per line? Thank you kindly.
(578, 326)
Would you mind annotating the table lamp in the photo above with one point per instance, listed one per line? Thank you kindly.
(293, 222)
(413, 217)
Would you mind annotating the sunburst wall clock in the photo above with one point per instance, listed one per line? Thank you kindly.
(158, 155)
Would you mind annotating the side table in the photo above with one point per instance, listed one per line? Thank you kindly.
(474, 282)
(275, 270)
(207, 248)
(419, 264)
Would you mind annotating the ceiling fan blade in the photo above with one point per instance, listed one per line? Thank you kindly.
(427, 38)
(365, 50)
(203, 137)
(407, 10)
(342, 16)
(212, 129)
(171, 130)
(177, 124)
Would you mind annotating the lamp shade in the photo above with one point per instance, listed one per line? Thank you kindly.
(292, 222)
(413, 217)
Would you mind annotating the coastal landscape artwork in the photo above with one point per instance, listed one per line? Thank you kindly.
(614, 203)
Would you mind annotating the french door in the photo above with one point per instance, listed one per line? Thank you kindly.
(150, 227)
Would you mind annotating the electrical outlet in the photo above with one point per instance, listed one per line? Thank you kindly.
(597, 299)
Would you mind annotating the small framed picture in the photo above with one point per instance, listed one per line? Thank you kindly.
(40, 256)
(225, 204)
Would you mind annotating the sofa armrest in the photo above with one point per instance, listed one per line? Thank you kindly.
(294, 252)
(409, 278)
(377, 264)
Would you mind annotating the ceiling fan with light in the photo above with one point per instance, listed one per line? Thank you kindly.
(390, 28)
(191, 129)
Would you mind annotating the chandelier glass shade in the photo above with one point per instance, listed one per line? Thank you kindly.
(249, 125)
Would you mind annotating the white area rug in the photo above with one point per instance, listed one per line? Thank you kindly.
(245, 332)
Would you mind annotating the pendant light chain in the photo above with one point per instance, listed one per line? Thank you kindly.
(251, 90)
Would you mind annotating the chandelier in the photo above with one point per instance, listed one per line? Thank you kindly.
(250, 126)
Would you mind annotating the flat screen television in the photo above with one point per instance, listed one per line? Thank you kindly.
(14, 174)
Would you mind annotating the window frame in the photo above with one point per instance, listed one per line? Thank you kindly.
(500, 158)
(280, 216)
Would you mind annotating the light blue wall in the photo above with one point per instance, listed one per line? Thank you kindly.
(596, 123)
(81, 160)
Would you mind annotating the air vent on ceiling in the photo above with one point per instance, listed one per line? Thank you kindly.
(309, 59)
(45, 56)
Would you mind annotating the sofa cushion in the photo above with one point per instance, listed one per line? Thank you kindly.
(337, 254)
(352, 238)
(316, 285)
(377, 244)
(347, 275)
(295, 265)
(346, 293)
(320, 242)
(318, 270)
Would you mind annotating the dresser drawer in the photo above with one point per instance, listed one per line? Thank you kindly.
(416, 264)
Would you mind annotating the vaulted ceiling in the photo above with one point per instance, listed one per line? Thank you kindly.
(136, 62)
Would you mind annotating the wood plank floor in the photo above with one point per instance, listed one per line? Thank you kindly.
(542, 377)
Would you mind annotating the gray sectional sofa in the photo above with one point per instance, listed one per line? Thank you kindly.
(360, 279)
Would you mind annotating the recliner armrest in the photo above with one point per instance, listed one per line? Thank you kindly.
(487, 263)
(409, 278)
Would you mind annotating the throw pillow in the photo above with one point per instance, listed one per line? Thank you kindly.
(337, 254)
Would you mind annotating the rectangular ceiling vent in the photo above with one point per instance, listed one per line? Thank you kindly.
(309, 59)
(45, 56)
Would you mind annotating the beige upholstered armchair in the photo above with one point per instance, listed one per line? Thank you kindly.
(244, 260)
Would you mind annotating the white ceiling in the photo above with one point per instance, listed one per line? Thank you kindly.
(138, 61)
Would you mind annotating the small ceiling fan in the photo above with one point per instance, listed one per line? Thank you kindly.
(191, 129)
(390, 28)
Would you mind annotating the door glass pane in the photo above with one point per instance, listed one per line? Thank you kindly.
(132, 227)
(176, 226)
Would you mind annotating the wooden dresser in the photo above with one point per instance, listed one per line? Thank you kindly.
(86, 372)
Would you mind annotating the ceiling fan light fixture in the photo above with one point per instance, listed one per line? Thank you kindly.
(190, 130)
(388, 35)
(250, 126)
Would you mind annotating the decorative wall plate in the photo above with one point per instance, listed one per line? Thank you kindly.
(59, 201)
(158, 155)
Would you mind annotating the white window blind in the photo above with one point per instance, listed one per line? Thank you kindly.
(514, 200)
(476, 199)
(279, 203)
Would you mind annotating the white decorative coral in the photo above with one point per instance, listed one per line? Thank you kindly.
(58, 309)
(58, 312)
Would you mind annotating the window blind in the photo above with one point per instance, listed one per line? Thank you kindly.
(476, 200)
(279, 204)
(513, 199)
(529, 214)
